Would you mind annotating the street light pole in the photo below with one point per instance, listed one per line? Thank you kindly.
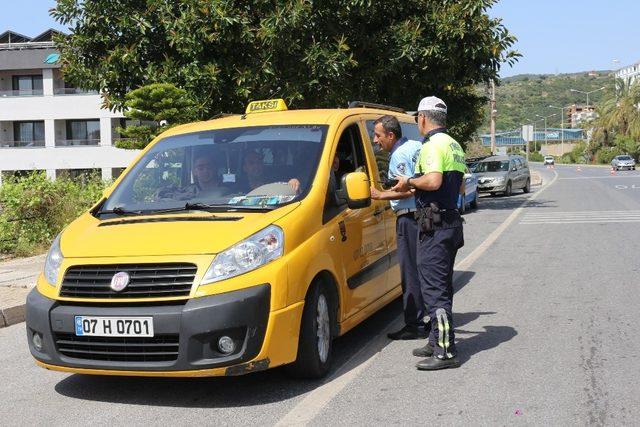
(546, 143)
(587, 93)
(561, 126)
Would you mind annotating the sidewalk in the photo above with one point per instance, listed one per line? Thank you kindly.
(17, 278)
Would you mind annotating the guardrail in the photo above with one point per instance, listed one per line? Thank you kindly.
(21, 144)
(77, 142)
(73, 91)
(26, 92)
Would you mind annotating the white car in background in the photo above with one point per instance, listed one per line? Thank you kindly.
(549, 160)
(623, 162)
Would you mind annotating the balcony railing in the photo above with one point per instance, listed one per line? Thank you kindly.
(77, 142)
(73, 91)
(26, 92)
(21, 144)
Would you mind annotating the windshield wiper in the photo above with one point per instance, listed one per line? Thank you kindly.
(119, 210)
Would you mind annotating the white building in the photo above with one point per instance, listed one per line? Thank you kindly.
(45, 124)
(629, 73)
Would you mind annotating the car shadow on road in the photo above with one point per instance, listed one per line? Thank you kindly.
(258, 388)
(513, 202)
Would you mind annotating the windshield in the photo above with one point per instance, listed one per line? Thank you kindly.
(624, 158)
(251, 167)
(494, 166)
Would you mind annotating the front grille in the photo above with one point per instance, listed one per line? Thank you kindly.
(161, 348)
(146, 281)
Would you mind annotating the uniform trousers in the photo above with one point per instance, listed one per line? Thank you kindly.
(412, 304)
(437, 250)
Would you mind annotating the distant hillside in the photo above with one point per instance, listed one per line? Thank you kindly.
(520, 98)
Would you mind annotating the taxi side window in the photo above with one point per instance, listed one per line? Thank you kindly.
(351, 158)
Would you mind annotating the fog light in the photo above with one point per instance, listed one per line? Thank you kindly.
(37, 341)
(226, 345)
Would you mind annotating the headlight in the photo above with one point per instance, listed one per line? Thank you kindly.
(253, 252)
(53, 262)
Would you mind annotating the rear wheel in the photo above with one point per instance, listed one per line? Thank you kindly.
(507, 191)
(527, 186)
(316, 335)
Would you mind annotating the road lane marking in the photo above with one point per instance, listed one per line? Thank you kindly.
(602, 177)
(581, 217)
(307, 409)
(585, 221)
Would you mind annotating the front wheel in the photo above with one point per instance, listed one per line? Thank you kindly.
(507, 191)
(474, 202)
(316, 335)
(527, 186)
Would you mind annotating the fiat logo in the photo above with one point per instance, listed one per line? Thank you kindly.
(119, 281)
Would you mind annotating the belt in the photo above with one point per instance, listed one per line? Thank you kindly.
(404, 211)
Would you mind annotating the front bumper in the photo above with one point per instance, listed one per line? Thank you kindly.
(194, 327)
(623, 167)
(491, 187)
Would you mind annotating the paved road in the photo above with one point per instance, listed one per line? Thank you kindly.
(544, 315)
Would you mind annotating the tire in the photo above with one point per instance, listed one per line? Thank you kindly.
(474, 202)
(316, 335)
(507, 191)
(527, 186)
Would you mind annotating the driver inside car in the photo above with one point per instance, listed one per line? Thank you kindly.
(253, 168)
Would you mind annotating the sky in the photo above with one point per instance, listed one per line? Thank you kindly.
(554, 36)
(561, 36)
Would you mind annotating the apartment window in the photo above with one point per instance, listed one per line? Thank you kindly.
(28, 85)
(83, 132)
(27, 133)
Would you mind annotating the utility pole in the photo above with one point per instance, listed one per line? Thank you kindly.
(492, 126)
(561, 127)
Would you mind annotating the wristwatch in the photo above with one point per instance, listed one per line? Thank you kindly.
(409, 183)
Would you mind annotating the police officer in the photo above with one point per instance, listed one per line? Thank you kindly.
(438, 181)
(404, 153)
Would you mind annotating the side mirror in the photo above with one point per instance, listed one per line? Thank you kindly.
(356, 190)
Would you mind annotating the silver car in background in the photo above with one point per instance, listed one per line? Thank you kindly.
(623, 162)
(503, 174)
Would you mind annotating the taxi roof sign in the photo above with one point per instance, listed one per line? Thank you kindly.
(267, 105)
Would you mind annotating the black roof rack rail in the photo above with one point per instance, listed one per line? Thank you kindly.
(362, 104)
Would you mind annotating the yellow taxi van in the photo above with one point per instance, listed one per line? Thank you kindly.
(228, 246)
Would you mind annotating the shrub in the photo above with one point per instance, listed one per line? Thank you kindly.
(536, 157)
(605, 154)
(34, 209)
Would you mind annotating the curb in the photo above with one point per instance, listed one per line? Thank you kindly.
(12, 315)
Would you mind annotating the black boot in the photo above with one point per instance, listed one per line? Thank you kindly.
(434, 363)
(426, 351)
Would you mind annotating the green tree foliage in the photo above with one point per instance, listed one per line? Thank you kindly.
(225, 53)
(157, 107)
(617, 129)
(34, 209)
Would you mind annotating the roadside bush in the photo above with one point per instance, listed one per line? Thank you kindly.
(605, 154)
(536, 157)
(34, 209)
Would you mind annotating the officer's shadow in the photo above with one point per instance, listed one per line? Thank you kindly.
(471, 342)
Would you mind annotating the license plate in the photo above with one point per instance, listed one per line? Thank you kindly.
(114, 326)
